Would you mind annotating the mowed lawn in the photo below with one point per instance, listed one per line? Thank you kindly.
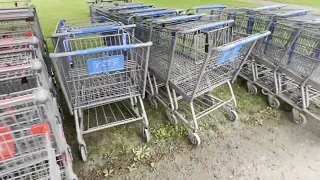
(314, 3)
(50, 11)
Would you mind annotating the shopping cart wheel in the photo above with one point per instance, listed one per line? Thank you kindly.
(274, 103)
(146, 135)
(298, 117)
(83, 152)
(194, 138)
(171, 117)
(252, 90)
(264, 92)
(153, 102)
(232, 115)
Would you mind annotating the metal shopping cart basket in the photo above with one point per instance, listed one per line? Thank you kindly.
(31, 108)
(101, 78)
(188, 73)
(26, 15)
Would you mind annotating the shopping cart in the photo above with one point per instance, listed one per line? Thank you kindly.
(27, 153)
(184, 73)
(28, 16)
(101, 79)
(31, 108)
(257, 21)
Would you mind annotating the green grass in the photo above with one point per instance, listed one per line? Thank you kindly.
(302, 2)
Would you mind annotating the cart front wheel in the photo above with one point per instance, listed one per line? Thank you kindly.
(194, 138)
(287, 107)
(83, 152)
(252, 90)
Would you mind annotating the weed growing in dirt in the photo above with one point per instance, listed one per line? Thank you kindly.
(141, 152)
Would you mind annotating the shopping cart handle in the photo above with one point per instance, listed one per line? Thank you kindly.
(269, 7)
(185, 18)
(159, 13)
(296, 13)
(137, 6)
(95, 30)
(243, 41)
(209, 26)
(99, 50)
(148, 10)
(208, 7)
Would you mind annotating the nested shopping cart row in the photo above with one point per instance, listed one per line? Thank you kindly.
(32, 142)
(285, 64)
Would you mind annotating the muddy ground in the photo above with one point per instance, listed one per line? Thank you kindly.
(264, 144)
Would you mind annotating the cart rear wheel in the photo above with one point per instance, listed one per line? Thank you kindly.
(83, 152)
(194, 138)
(252, 90)
(232, 115)
(171, 117)
(274, 103)
(146, 135)
(300, 119)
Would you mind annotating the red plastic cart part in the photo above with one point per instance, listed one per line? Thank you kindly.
(42, 128)
(7, 149)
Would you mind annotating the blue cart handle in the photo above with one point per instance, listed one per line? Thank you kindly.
(159, 13)
(180, 18)
(269, 7)
(208, 26)
(296, 13)
(93, 30)
(243, 41)
(148, 10)
(208, 7)
(136, 6)
(99, 50)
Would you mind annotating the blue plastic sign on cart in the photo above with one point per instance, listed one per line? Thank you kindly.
(105, 64)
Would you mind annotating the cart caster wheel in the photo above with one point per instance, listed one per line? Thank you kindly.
(232, 115)
(194, 138)
(252, 90)
(274, 103)
(171, 117)
(264, 92)
(146, 135)
(299, 118)
(287, 107)
(83, 152)
(153, 102)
